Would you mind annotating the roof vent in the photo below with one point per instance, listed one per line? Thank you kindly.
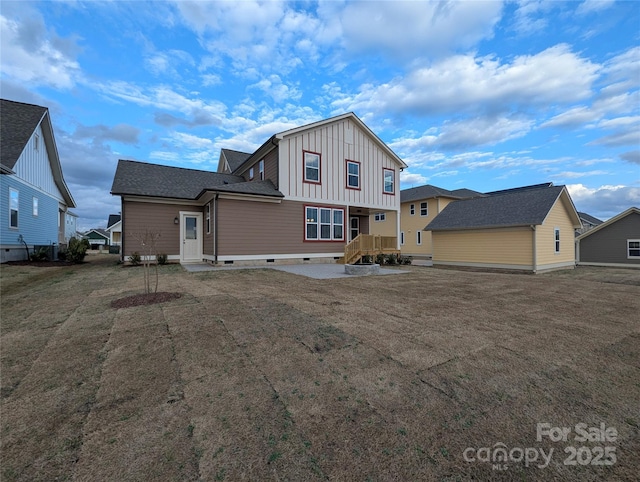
(226, 182)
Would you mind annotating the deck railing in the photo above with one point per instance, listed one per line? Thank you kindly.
(369, 245)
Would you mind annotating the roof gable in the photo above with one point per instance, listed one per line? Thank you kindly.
(609, 222)
(351, 116)
(589, 219)
(509, 208)
(234, 159)
(113, 219)
(18, 122)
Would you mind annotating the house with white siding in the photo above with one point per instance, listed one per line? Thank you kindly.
(302, 196)
(35, 200)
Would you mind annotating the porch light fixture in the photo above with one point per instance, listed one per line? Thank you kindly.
(176, 220)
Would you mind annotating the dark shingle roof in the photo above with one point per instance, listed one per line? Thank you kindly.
(235, 158)
(113, 219)
(511, 208)
(17, 123)
(428, 191)
(143, 179)
(590, 219)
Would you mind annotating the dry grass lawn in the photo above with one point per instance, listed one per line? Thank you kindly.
(264, 375)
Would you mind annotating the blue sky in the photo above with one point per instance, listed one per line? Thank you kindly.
(482, 95)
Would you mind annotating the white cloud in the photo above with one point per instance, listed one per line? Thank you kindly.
(34, 56)
(277, 90)
(593, 6)
(604, 201)
(406, 30)
(409, 179)
(465, 83)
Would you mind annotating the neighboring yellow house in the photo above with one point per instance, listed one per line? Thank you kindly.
(418, 207)
(529, 228)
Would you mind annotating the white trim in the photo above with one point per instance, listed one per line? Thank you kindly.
(418, 238)
(557, 249)
(609, 265)
(631, 240)
(198, 216)
(525, 267)
(257, 257)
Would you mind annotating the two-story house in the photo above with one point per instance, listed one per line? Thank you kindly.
(35, 200)
(419, 206)
(301, 196)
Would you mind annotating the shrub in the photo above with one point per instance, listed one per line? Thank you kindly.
(391, 259)
(76, 250)
(135, 258)
(367, 259)
(162, 258)
(406, 259)
(380, 258)
(42, 254)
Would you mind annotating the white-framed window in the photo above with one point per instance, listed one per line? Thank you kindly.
(261, 170)
(418, 238)
(324, 224)
(251, 173)
(556, 237)
(423, 209)
(208, 217)
(353, 175)
(36, 142)
(412, 209)
(389, 186)
(380, 217)
(14, 205)
(633, 248)
(402, 238)
(34, 205)
(311, 167)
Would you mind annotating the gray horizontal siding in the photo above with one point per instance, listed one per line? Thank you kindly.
(609, 244)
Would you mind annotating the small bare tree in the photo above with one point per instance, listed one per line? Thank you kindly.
(148, 241)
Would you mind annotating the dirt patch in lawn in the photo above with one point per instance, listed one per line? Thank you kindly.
(265, 375)
(144, 299)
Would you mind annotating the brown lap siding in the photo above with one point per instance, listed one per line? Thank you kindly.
(256, 228)
(156, 217)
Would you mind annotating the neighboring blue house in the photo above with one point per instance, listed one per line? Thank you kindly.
(34, 199)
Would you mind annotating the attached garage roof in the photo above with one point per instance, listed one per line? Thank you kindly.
(519, 207)
(153, 180)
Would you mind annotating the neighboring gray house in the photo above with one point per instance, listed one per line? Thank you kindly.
(615, 242)
(588, 222)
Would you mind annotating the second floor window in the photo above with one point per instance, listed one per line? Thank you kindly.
(412, 209)
(423, 209)
(353, 175)
(312, 167)
(389, 181)
(261, 170)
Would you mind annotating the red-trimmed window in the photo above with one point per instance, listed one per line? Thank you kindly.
(323, 224)
(311, 167)
(353, 174)
(389, 181)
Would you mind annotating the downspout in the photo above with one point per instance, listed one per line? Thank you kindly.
(535, 251)
(215, 229)
(122, 231)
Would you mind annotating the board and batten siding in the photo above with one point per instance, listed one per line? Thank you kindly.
(546, 256)
(34, 168)
(501, 247)
(609, 244)
(336, 142)
(262, 229)
(157, 217)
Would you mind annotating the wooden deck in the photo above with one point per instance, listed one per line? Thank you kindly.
(369, 245)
